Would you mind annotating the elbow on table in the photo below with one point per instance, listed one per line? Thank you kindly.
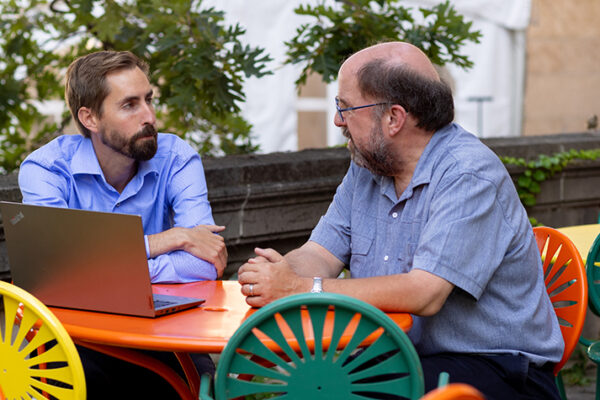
(428, 307)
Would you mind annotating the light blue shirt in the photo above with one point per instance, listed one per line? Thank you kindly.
(460, 218)
(168, 190)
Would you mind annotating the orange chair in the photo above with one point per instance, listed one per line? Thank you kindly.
(454, 391)
(566, 284)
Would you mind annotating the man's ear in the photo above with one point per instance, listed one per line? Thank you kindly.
(396, 119)
(88, 119)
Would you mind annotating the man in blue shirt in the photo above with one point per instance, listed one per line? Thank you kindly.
(121, 164)
(428, 221)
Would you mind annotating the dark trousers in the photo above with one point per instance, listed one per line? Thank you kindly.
(499, 377)
(108, 377)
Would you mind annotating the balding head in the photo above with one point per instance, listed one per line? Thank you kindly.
(399, 73)
(397, 54)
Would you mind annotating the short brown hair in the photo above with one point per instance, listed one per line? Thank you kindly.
(86, 80)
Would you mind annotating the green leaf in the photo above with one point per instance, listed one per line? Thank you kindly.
(198, 64)
(336, 33)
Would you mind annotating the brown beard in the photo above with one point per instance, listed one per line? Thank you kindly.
(137, 147)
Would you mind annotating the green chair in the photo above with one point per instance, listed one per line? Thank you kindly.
(592, 264)
(259, 361)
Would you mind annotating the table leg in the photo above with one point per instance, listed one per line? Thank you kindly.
(142, 360)
(190, 371)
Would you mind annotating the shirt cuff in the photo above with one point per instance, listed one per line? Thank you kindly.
(147, 246)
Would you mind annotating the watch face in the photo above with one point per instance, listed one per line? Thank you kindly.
(317, 285)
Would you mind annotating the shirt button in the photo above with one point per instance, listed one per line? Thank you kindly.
(118, 204)
(386, 258)
(395, 215)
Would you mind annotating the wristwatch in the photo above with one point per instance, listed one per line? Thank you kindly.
(317, 285)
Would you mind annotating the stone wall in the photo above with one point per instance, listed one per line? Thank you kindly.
(276, 199)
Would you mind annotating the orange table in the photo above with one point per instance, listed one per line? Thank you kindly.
(205, 329)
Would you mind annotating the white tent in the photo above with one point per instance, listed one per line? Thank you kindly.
(488, 97)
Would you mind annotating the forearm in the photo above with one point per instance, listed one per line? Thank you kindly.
(417, 292)
(180, 267)
(313, 260)
(164, 242)
(201, 242)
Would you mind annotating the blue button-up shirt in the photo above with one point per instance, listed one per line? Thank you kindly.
(460, 218)
(168, 190)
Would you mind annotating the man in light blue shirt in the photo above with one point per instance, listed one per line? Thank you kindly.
(121, 164)
(168, 192)
(428, 221)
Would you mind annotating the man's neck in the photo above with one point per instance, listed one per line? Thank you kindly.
(118, 169)
(410, 153)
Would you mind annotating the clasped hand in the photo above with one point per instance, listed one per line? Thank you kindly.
(268, 277)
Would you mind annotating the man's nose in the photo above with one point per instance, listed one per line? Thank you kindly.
(149, 114)
(337, 120)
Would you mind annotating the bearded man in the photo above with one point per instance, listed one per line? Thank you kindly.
(428, 221)
(121, 164)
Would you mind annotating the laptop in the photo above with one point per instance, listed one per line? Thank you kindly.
(82, 259)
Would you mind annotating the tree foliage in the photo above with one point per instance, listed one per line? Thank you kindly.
(351, 25)
(198, 66)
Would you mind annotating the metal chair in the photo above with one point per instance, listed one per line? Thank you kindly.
(39, 359)
(320, 364)
(566, 284)
(593, 276)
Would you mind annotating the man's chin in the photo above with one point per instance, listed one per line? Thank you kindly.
(145, 150)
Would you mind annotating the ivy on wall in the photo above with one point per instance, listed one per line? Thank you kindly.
(542, 168)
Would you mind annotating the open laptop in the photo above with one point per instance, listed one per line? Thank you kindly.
(83, 259)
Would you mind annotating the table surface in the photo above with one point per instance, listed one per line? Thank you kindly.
(204, 329)
(582, 236)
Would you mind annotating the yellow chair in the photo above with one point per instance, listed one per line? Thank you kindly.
(37, 357)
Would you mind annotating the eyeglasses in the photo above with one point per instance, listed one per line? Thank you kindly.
(341, 110)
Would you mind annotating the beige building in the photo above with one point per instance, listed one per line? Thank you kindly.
(561, 88)
(562, 85)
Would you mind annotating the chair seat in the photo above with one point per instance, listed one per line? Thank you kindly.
(343, 349)
(39, 358)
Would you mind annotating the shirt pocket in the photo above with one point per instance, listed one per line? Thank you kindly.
(361, 248)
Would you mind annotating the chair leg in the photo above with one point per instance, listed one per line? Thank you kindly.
(560, 385)
(597, 382)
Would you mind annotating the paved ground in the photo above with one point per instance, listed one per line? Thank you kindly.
(582, 392)
(587, 392)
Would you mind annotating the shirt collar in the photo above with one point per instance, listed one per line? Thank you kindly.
(432, 153)
(424, 169)
(85, 161)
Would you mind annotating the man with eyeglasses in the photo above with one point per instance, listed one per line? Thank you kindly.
(428, 221)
